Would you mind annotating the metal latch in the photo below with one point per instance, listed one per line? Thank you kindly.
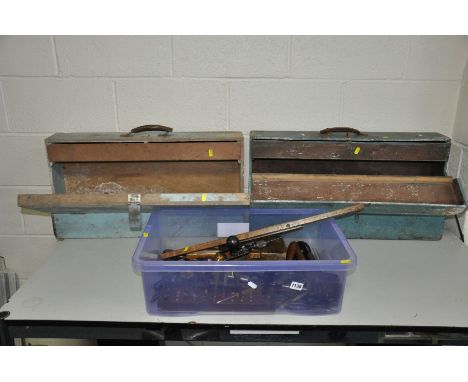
(134, 211)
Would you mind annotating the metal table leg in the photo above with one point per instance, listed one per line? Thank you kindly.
(5, 339)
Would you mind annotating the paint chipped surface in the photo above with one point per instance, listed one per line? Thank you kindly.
(224, 198)
(151, 177)
(109, 188)
(302, 187)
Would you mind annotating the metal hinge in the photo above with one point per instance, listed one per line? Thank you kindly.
(134, 211)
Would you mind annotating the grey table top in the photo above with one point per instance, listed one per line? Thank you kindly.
(396, 283)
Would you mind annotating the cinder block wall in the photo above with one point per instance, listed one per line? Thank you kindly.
(458, 164)
(69, 84)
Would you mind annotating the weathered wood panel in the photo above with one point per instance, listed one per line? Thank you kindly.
(152, 177)
(358, 178)
(396, 151)
(95, 225)
(202, 136)
(127, 152)
(372, 208)
(355, 188)
(385, 136)
(60, 203)
(298, 166)
(392, 227)
(103, 225)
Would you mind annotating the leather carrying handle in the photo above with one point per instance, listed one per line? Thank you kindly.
(146, 128)
(341, 129)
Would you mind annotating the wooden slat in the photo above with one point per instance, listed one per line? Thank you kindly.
(151, 177)
(310, 166)
(355, 188)
(266, 231)
(125, 152)
(401, 151)
(108, 137)
(368, 136)
(92, 202)
(354, 178)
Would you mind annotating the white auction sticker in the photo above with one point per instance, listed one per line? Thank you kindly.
(252, 285)
(296, 286)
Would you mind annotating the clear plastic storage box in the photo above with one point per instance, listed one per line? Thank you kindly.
(250, 286)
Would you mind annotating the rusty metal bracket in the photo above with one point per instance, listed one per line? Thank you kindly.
(134, 212)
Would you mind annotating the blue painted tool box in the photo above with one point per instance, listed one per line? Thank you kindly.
(106, 184)
(401, 176)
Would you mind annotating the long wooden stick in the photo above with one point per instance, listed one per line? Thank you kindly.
(259, 233)
(86, 202)
(389, 179)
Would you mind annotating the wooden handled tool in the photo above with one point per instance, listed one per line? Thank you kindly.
(262, 232)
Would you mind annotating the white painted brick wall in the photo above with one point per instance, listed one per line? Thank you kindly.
(12, 221)
(24, 160)
(400, 105)
(27, 56)
(446, 55)
(464, 168)
(3, 117)
(182, 104)
(457, 167)
(284, 105)
(114, 55)
(460, 132)
(25, 254)
(36, 222)
(53, 105)
(349, 57)
(17, 222)
(460, 136)
(111, 83)
(235, 56)
(453, 169)
(453, 164)
(463, 174)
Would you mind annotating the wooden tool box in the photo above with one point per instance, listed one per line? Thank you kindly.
(401, 176)
(105, 184)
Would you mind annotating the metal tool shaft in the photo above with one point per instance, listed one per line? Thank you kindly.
(262, 232)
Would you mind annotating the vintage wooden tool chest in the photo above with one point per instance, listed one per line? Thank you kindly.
(106, 184)
(401, 176)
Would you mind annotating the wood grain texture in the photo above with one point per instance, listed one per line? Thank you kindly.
(355, 178)
(202, 136)
(383, 136)
(396, 151)
(310, 166)
(266, 231)
(65, 203)
(388, 189)
(152, 177)
(123, 152)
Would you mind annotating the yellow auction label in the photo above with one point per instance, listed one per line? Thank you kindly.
(210, 152)
(145, 234)
(348, 261)
(203, 198)
(186, 249)
(356, 150)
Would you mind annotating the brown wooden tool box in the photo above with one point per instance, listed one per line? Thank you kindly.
(400, 176)
(105, 184)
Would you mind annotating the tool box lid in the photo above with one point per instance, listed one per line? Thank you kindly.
(144, 137)
(349, 136)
